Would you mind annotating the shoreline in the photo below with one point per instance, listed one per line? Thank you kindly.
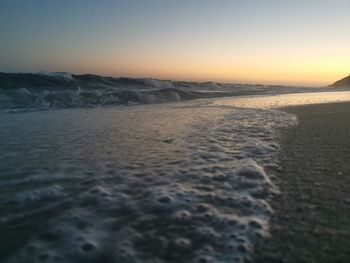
(312, 214)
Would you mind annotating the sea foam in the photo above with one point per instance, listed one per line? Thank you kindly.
(181, 183)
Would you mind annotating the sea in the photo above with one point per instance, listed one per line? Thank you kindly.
(184, 181)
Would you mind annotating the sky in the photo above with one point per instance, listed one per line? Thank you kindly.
(297, 42)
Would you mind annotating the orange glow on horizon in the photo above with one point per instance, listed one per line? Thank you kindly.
(268, 42)
(317, 72)
(309, 67)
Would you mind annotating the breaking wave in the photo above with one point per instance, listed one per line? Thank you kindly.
(64, 90)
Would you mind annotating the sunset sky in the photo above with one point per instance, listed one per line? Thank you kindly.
(299, 42)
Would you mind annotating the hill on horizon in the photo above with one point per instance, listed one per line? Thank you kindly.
(342, 83)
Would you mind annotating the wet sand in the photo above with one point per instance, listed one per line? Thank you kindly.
(312, 213)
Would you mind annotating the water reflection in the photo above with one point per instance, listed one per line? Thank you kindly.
(276, 101)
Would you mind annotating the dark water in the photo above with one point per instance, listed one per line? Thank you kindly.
(162, 183)
(64, 90)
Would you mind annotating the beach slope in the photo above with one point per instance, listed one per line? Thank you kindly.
(312, 218)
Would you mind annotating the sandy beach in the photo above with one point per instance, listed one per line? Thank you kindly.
(312, 213)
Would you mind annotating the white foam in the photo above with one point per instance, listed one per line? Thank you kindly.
(46, 193)
(156, 193)
(64, 75)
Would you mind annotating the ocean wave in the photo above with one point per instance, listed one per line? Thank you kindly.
(23, 98)
(64, 90)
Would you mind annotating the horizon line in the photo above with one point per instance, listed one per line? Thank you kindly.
(233, 82)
